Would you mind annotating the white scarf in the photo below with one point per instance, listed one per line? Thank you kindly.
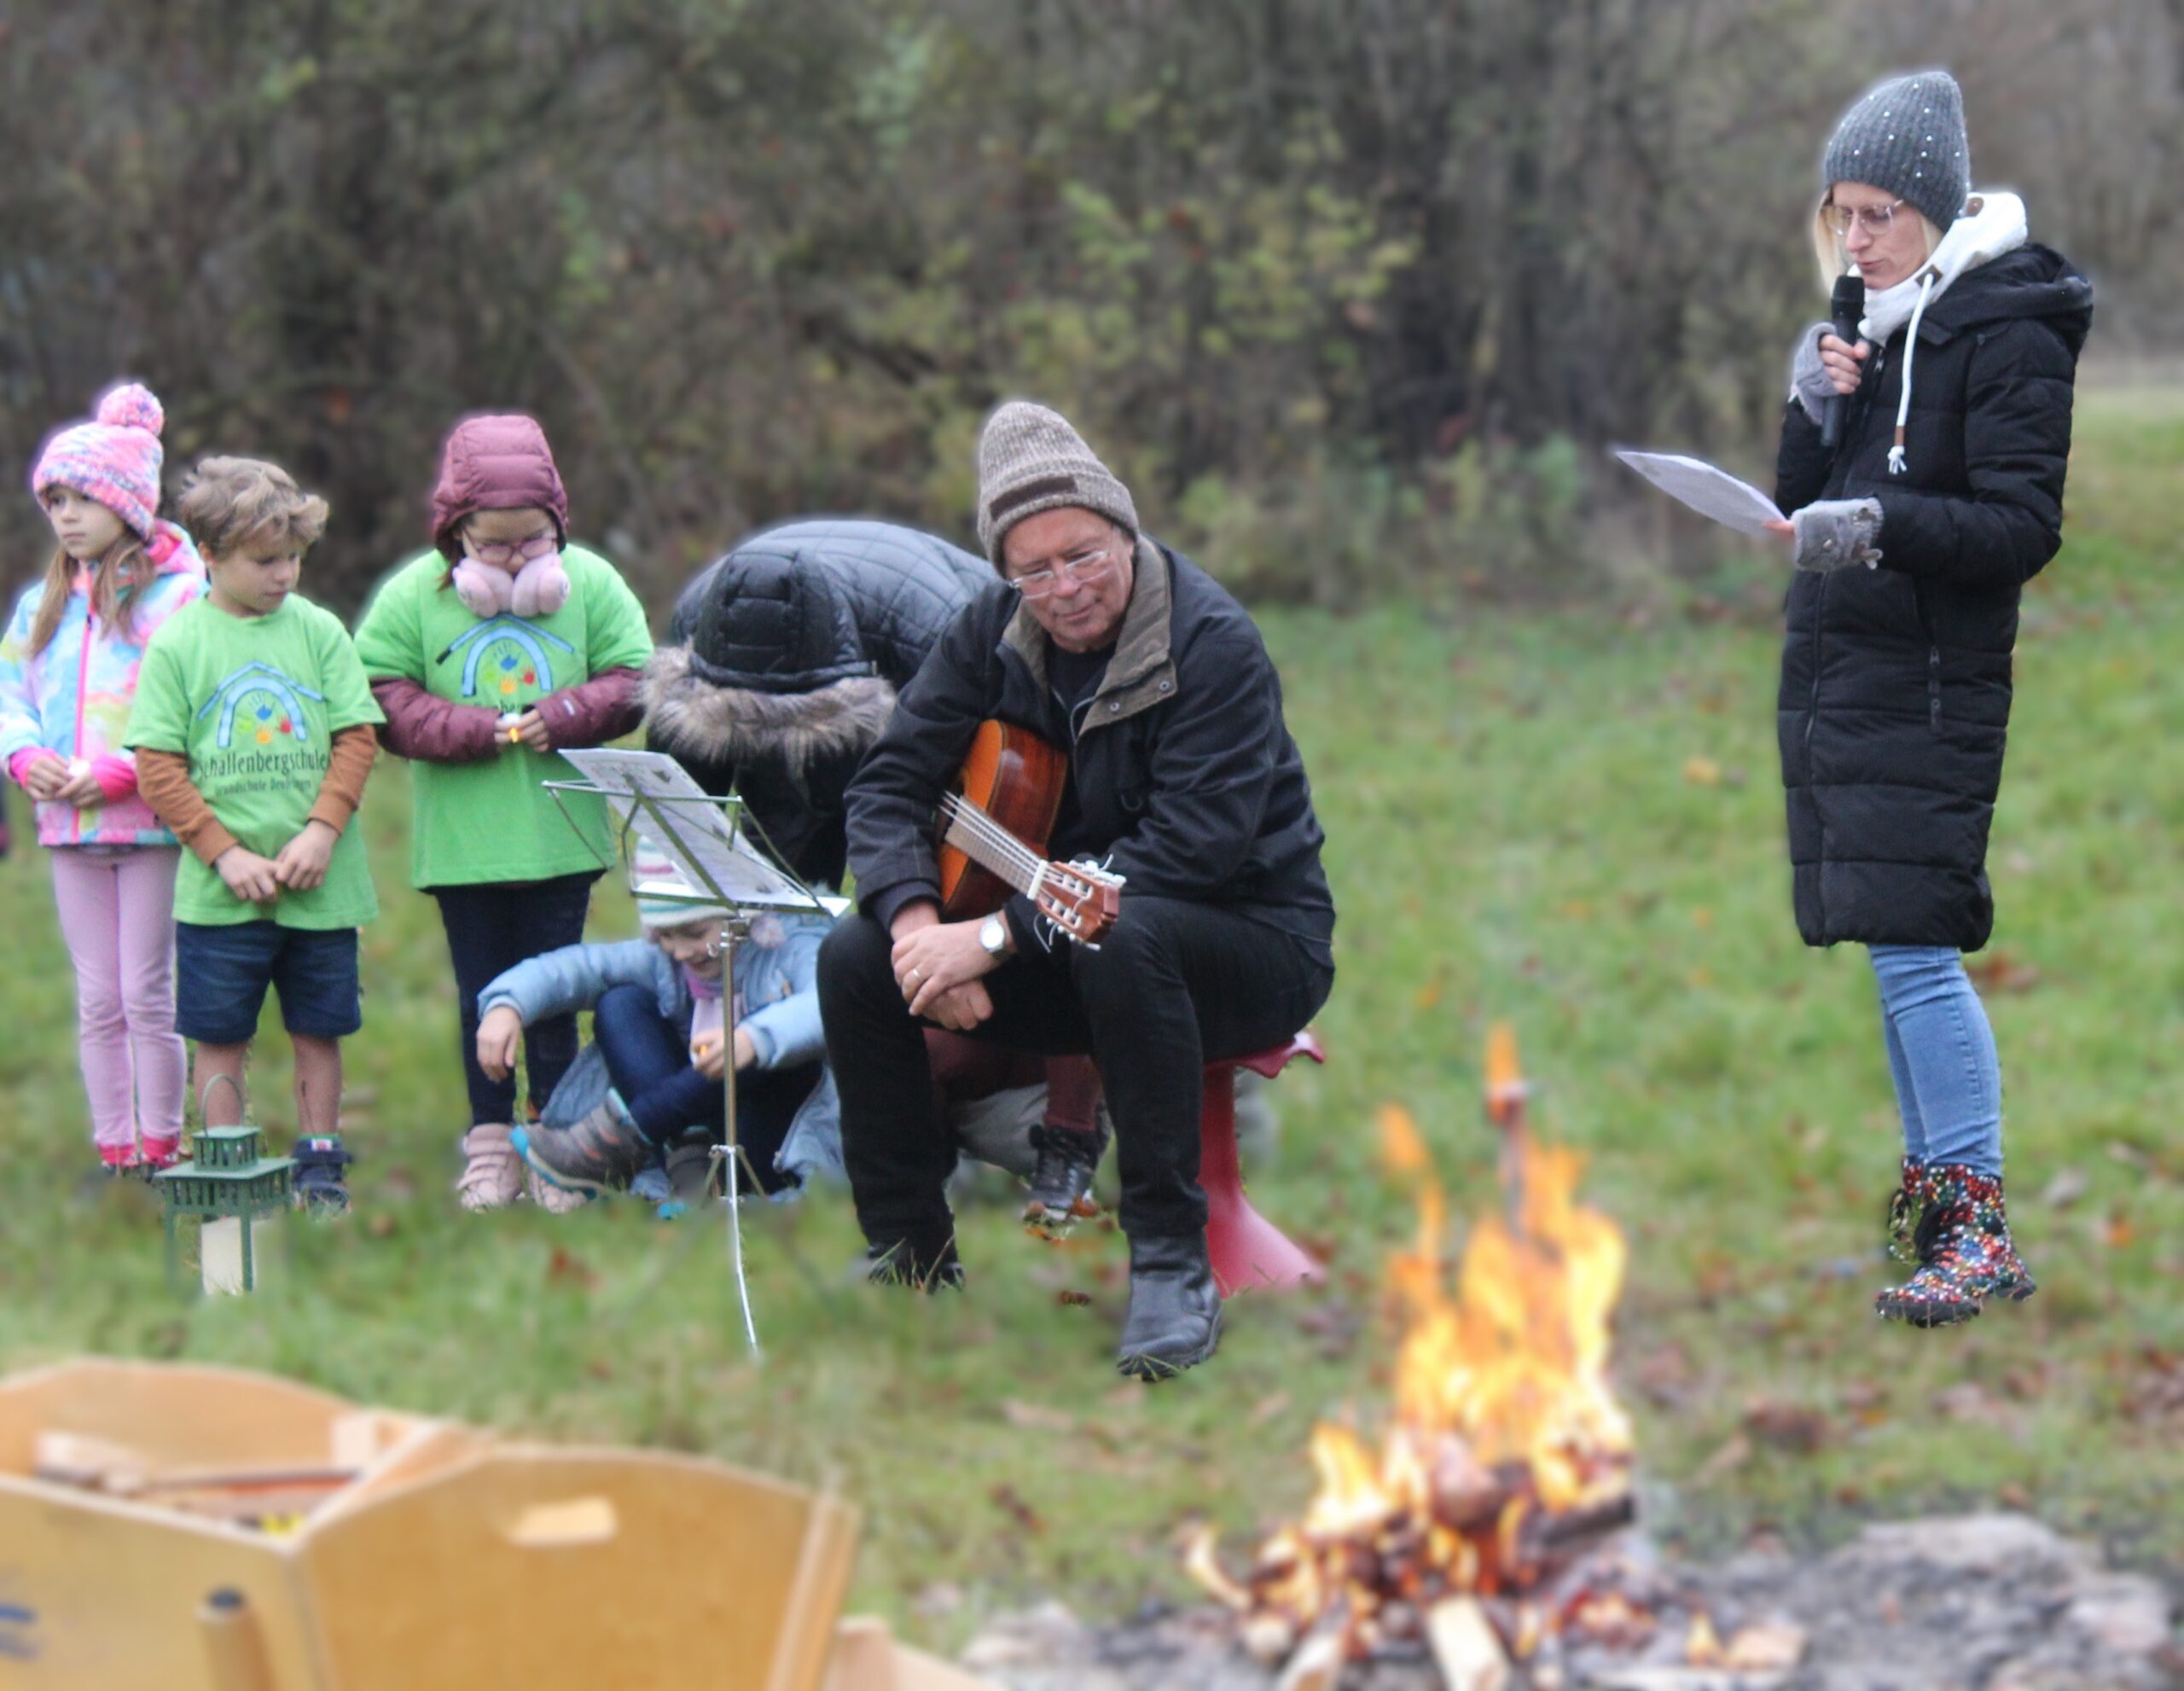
(1991, 225)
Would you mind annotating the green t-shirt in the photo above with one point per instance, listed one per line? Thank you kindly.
(254, 703)
(492, 819)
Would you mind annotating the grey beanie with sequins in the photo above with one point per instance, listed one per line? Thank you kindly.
(1907, 136)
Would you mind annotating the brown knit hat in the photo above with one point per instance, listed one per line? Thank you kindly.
(1030, 459)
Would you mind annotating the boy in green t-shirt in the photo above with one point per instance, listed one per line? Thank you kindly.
(252, 730)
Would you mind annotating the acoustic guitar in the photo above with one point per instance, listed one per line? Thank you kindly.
(991, 838)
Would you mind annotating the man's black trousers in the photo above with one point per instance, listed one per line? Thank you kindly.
(1173, 985)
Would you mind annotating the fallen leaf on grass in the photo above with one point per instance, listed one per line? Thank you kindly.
(2068, 1186)
(1070, 1296)
(1701, 772)
(1010, 1502)
(1786, 1426)
(1735, 1453)
(1267, 1408)
(2003, 971)
(2118, 1234)
(564, 1268)
(1036, 1417)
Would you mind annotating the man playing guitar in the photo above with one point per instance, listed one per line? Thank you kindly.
(1183, 782)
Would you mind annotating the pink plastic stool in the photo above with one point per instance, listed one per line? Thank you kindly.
(1247, 1249)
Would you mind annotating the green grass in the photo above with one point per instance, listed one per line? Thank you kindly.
(1515, 833)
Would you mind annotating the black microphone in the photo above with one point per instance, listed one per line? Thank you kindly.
(1846, 305)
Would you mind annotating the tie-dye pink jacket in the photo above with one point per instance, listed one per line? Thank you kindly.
(73, 697)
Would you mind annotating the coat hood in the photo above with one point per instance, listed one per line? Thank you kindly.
(775, 622)
(496, 463)
(2032, 282)
(692, 718)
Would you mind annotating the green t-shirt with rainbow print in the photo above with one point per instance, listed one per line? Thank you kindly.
(254, 703)
(494, 820)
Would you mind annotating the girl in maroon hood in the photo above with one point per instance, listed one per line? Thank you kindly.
(503, 644)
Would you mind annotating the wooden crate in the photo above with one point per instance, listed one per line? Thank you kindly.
(453, 1561)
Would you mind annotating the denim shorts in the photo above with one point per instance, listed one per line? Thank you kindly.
(222, 971)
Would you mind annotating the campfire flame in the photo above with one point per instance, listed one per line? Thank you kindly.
(1504, 1440)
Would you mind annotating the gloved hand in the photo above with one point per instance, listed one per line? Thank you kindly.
(1833, 534)
(1810, 385)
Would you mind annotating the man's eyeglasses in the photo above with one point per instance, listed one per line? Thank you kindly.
(1875, 220)
(1086, 563)
(500, 555)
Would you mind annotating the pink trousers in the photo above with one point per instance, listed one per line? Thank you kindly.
(117, 914)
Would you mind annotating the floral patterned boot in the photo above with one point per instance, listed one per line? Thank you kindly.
(1905, 1206)
(1965, 1252)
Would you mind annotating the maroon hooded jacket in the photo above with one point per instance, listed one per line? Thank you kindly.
(500, 463)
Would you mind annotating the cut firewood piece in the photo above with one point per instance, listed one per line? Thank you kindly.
(1316, 1666)
(1764, 1646)
(1465, 1647)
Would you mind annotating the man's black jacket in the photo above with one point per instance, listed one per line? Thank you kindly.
(1184, 775)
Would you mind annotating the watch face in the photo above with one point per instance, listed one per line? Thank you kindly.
(993, 933)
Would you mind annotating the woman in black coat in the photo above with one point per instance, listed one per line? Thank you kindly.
(1913, 541)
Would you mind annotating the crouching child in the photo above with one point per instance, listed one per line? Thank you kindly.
(648, 1091)
(253, 733)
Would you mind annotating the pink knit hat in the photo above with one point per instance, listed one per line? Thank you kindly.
(114, 460)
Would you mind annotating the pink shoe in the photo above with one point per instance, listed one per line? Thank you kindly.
(161, 1153)
(118, 1159)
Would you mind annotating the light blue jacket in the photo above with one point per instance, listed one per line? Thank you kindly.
(776, 972)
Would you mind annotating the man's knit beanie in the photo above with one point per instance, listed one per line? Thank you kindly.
(115, 459)
(1030, 459)
(1907, 136)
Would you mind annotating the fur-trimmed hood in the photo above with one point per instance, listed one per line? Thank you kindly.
(692, 719)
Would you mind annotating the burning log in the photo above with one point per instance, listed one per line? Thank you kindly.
(1507, 1454)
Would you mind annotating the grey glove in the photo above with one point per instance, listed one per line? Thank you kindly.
(1808, 383)
(1833, 534)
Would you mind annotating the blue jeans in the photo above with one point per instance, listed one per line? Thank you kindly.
(648, 1060)
(1941, 1051)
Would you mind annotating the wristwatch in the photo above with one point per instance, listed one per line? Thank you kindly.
(993, 934)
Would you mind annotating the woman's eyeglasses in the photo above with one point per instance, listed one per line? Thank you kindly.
(1875, 220)
(1087, 563)
(500, 555)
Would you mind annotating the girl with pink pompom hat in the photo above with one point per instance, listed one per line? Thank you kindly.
(68, 669)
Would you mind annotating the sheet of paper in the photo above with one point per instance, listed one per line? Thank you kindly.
(654, 794)
(1711, 492)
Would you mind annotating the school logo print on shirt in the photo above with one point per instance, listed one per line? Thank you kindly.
(504, 656)
(264, 702)
(261, 736)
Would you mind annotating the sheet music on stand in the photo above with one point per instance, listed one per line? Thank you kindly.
(694, 830)
(697, 832)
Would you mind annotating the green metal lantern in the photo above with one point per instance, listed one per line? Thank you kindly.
(232, 1190)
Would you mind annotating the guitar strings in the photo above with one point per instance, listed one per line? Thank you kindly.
(983, 828)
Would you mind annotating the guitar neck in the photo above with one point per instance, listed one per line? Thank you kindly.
(983, 840)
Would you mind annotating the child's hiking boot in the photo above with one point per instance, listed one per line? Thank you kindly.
(492, 1171)
(1905, 1206)
(1062, 1182)
(598, 1154)
(1966, 1255)
(320, 1186)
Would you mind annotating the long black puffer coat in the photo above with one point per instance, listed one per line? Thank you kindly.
(1895, 682)
(781, 663)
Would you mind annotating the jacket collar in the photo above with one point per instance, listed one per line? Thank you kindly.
(1142, 671)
